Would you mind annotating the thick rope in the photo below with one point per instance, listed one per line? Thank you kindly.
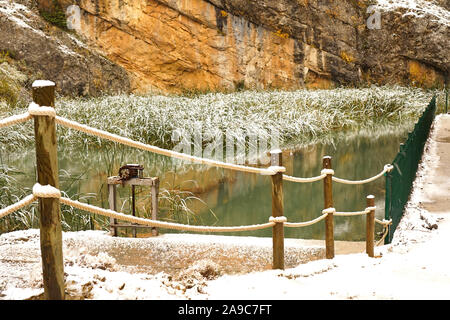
(355, 213)
(323, 174)
(305, 224)
(281, 219)
(165, 152)
(36, 110)
(33, 110)
(48, 191)
(13, 120)
(385, 224)
(17, 206)
(159, 224)
(387, 168)
(329, 210)
(303, 180)
(39, 191)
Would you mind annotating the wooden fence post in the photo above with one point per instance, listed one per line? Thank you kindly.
(277, 211)
(370, 227)
(112, 199)
(155, 195)
(328, 199)
(49, 208)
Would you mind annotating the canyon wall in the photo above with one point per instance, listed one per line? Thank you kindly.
(38, 50)
(210, 45)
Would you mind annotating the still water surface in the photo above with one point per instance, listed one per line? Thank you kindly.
(236, 198)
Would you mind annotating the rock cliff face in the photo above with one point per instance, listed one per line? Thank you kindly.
(176, 45)
(41, 50)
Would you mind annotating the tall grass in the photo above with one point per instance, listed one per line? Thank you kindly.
(12, 190)
(300, 117)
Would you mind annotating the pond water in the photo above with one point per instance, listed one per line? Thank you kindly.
(229, 198)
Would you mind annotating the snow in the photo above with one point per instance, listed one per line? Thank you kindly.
(18, 14)
(417, 8)
(43, 83)
(414, 266)
(23, 17)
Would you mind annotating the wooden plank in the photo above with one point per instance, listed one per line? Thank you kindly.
(49, 208)
(277, 211)
(328, 199)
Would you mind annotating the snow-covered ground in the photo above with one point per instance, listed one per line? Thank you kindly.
(415, 266)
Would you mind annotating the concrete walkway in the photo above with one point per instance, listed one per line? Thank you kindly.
(436, 191)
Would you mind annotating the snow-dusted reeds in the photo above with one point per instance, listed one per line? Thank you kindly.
(299, 117)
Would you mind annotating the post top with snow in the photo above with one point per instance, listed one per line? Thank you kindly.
(43, 83)
(275, 151)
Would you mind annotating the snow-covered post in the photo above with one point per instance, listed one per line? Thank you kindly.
(328, 197)
(370, 226)
(49, 208)
(277, 211)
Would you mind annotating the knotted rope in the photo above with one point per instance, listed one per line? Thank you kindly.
(36, 110)
(281, 219)
(47, 191)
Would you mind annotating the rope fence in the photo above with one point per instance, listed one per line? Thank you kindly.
(13, 120)
(50, 198)
(43, 192)
(48, 191)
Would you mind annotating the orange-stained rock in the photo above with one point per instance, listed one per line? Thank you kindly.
(188, 45)
(220, 45)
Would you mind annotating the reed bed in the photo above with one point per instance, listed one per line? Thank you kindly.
(298, 117)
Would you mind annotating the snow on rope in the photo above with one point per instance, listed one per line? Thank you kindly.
(47, 191)
(39, 191)
(37, 110)
(17, 206)
(33, 110)
(10, 121)
(387, 168)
